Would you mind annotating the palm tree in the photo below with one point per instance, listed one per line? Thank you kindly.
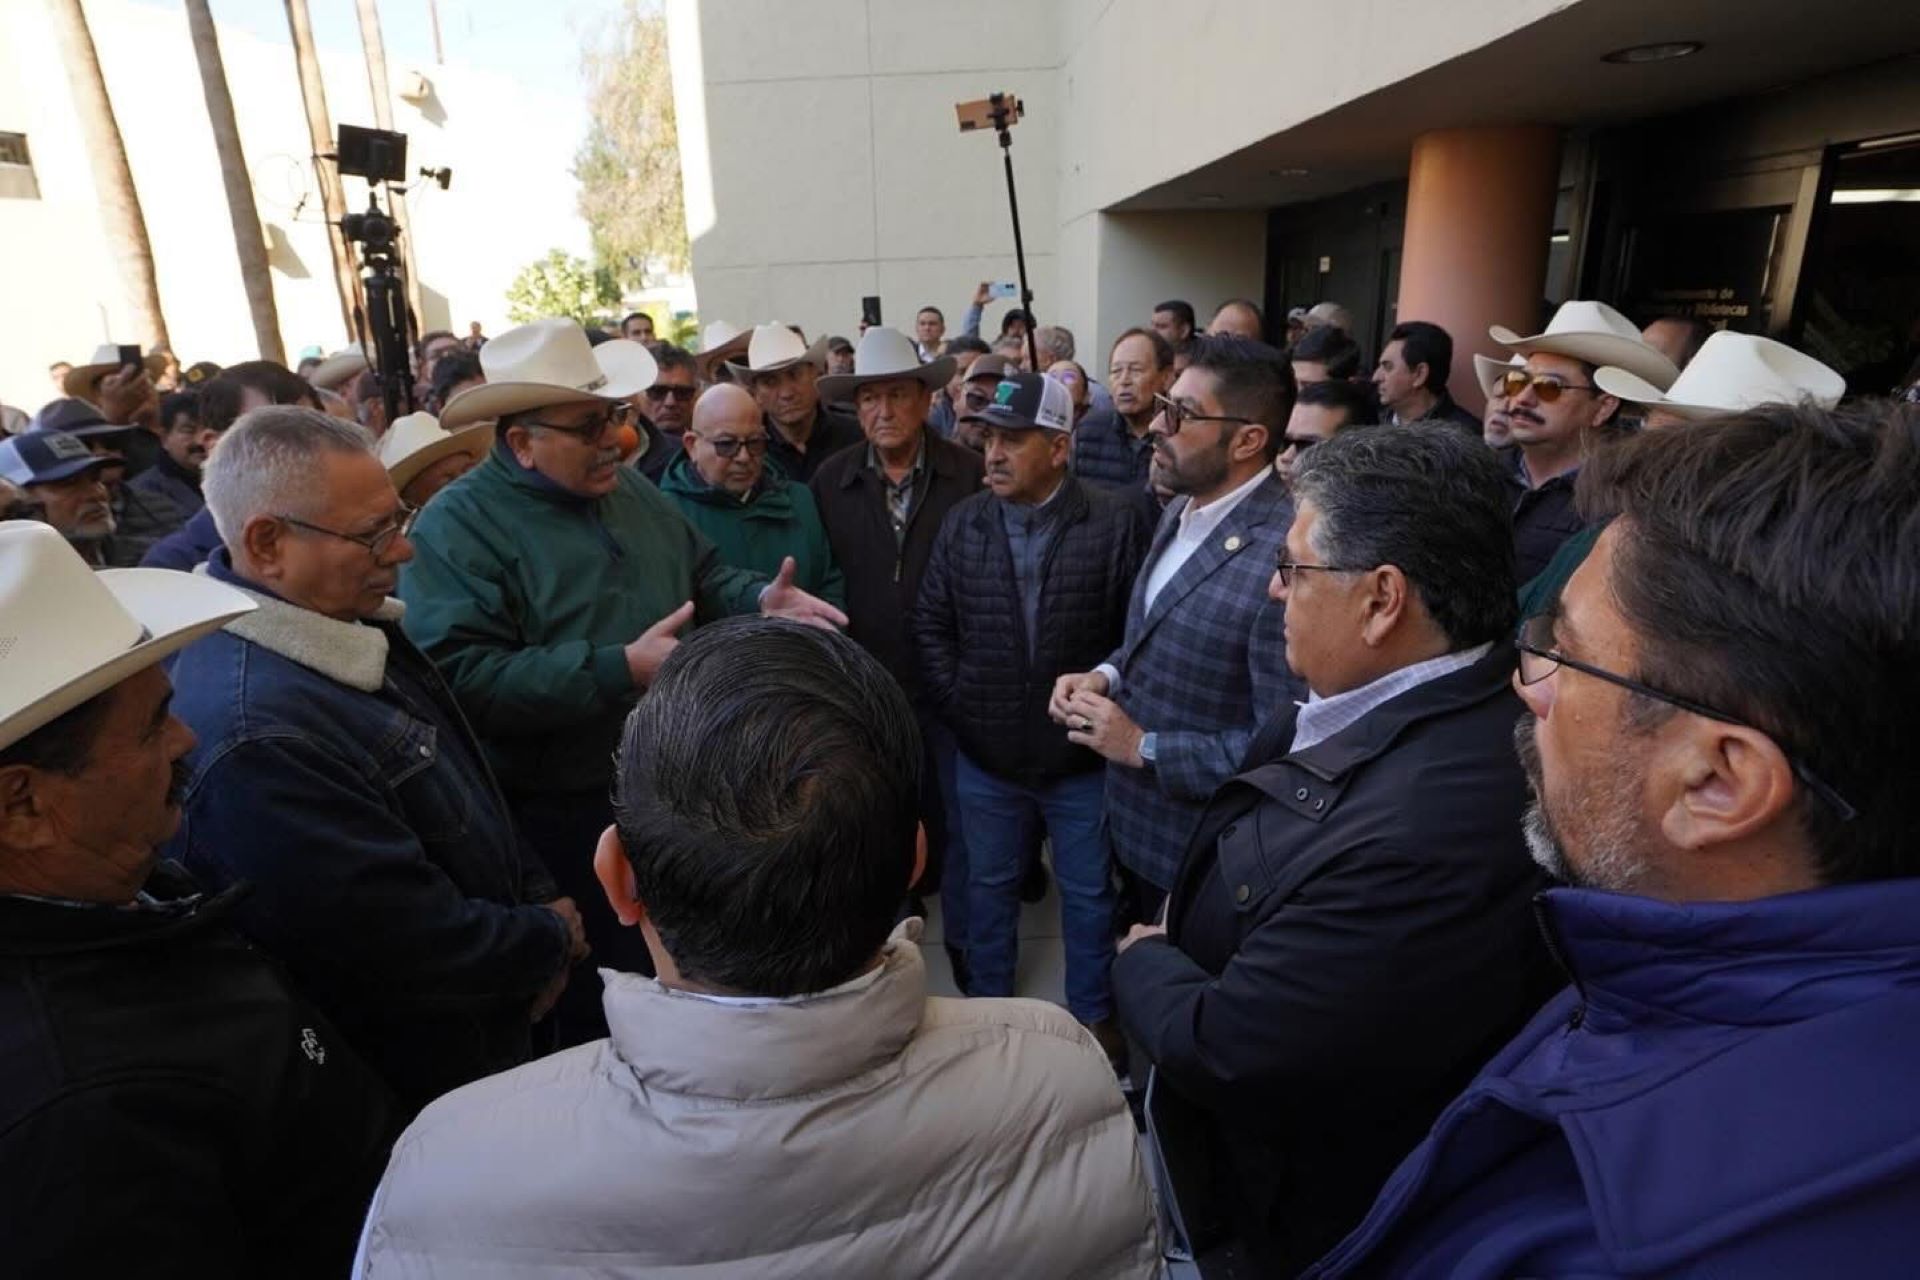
(119, 203)
(250, 246)
(313, 93)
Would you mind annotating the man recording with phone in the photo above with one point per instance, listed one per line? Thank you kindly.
(119, 381)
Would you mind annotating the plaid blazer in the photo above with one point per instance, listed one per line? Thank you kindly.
(1202, 670)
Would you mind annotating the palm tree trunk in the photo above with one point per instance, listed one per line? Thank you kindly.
(313, 92)
(126, 227)
(250, 246)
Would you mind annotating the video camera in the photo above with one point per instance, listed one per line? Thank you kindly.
(380, 156)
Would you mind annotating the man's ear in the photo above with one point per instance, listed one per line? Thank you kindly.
(1388, 595)
(261, 538)
(615, 873)
(23, 815)
(1605, 409)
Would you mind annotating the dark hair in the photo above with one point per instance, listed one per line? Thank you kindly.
(1252, 380)
(1427, 344)
(1436, 505)
(937, 311)
(1329, 345)
(635, 315)
(1698, 331)
(667, 356)
(454, 368)
(431, 335)
(1252, 307)
(1768, 563)
(954, 346)
(64, 744)
(1162, 349)
(1352, 398)
(1181, 311)
(838, 344)
(220, 395)
(175, 403)
(767, 792)
(1015, 315)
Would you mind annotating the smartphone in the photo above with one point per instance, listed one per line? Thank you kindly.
(129, 356)
(870, 310)
(1002, 289)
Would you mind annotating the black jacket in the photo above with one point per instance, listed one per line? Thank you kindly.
(972, 637)
(883, 576)
(1543, 518)
(1351, 936)
(168, 1108)
(832, 432)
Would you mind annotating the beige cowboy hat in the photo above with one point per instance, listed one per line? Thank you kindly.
(546, 363)
(773, 347)
(81, 379)
(339, 369)
(719, 342)
(1489, 373)
(1596, 334)
(415, 442)
(68, 633)
(886, 355)
(1731, 373)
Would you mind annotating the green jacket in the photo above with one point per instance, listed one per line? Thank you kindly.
(780, 521)
(1542, 591)
(526, 596)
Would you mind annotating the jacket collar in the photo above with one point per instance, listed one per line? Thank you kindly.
(938, 456)
(349, 653)
(769, 498)
(683, 1044)
(170, 904)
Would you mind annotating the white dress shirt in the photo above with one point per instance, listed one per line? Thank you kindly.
(1321, 718)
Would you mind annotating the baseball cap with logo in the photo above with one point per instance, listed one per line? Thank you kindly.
(45, 457)
(1026, 400)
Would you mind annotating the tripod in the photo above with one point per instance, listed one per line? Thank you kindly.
(385, 310)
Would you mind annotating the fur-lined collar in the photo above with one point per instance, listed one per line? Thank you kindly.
(348, 653)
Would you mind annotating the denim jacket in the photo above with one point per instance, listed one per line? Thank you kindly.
(335, 772)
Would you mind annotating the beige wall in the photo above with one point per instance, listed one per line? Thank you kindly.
(512, 197)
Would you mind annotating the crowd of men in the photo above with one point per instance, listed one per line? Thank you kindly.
(498, 840)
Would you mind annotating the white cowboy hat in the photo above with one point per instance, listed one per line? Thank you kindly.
(886, 355)
(1596, 334)
(550, 362)
(1490, 372)
(1732, 372)
(719, 341)
(68, 633)
(339, 368)
(80, 379)
(415, 442)
(774, 347)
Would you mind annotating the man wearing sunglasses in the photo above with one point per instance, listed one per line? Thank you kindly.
(1323, 411)
(1720, 748)
(336, 776)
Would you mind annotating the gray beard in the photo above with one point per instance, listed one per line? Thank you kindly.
(1602, 812)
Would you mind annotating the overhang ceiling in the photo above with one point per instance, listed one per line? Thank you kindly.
(1551, 72)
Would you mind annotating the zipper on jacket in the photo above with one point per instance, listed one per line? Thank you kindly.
(1552, 939)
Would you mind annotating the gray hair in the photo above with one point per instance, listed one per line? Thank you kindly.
(264, 464)
(1055, 342)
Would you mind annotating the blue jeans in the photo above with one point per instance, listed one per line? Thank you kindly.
(1002, 822)
(946, 840)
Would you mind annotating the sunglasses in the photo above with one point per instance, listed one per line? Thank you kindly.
(976, 398)
(683, 395)
(728, 446)
(1545, 386)
(1178, 415)
(1300, 444)
(616, 416)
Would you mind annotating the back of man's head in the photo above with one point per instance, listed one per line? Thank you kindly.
(959, 346)
(1436, 505)
(1251, 380)
(767, 794)
(1350, 398)
(1331, 348)
(268, 462)
(1055, 343)
(1422, 343)
(1180, 310)
(1768, 564)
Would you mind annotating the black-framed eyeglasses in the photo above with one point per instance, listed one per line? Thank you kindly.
(1178, 415)
(1546, 386)
(1287, 568)
(1539, 659)
(1300, 444)
(728, 446)
(376, 542)
(683, 395)
(617, 416)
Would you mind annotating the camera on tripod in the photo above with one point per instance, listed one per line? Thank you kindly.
(380, 156)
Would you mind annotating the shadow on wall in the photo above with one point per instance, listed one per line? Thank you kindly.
(281, 255)
(435, 311)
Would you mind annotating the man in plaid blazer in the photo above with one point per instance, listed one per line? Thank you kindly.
(1203, 664)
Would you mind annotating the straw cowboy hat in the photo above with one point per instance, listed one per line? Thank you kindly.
(886, 355)
(1489, 373)
(1596, 334)
(774, 347)
(1732, 372)
(81, 380)
(339, 368)
(415, 442)
(68, 633)
(546, 363)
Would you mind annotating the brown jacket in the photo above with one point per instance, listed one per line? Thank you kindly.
(868, 1131)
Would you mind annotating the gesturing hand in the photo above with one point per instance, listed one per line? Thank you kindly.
(645, 655)
(1098, 722)
(784, 600)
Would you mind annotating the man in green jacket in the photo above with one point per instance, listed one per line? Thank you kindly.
(727, 488)
(549, 583)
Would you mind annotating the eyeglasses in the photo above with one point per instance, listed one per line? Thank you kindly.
(976, 398)
(1539, 659)
(728, 446)
(1300, 444)
(1547, 387)
(1178, 415)
(682, 395)
(1287, 568)
(617, 416)
(377, 542)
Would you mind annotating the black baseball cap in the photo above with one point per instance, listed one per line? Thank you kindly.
(45, 457)
(1026, 400)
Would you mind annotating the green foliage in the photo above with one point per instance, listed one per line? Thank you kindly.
(562, 285)
(629, 165)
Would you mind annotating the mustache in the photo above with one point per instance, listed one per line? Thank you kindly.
(1525, 415)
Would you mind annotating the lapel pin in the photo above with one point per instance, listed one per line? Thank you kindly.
(1233, 543)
